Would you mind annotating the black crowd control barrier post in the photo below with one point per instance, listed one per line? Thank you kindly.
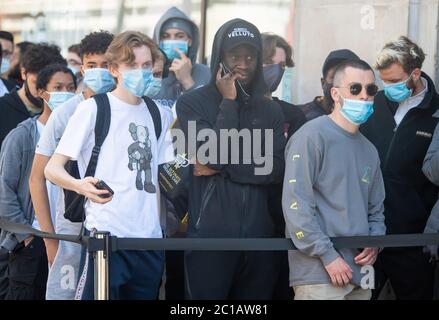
(102, 267)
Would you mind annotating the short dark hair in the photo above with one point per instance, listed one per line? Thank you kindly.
(23, 46)
(269, 43)
(38, 56)
(46, 74)
(7, 36)
(95, 43)
(74, 48)
(356, 64)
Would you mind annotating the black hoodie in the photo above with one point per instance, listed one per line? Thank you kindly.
(409, 195)
(233, 203)
(13, 111)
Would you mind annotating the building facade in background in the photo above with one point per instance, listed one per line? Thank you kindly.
(313, 27)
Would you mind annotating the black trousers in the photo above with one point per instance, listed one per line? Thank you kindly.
(28, 270)
(409, 271)
(4, 281)
(224, 275)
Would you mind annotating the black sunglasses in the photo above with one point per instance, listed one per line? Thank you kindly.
(356, 88)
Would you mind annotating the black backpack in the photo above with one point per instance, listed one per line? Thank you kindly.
(74, 203)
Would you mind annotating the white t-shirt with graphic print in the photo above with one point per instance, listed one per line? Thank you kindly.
(128, 163)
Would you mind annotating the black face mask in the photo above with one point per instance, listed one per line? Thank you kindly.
(273, 74)
(327, 93)
(37, 102)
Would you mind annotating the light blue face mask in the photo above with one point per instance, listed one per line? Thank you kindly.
(154, 87)
(6, 64)
(137, 81)
(169, 46)
(75, 70)
(99, 80)
(356, 111)
(58, 98)
(398, 92)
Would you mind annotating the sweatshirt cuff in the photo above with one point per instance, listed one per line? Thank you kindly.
(21, 237)
(228, 104)
(329, 256)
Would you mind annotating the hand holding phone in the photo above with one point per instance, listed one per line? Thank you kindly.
(101, 185)
(225, 83)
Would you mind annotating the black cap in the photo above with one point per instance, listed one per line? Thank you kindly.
(242, 32)
(337, 56)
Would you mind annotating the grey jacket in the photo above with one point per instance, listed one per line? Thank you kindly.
(16, 159)
(431, 171)
(171, 88)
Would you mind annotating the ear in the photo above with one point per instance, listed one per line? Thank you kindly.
(416, 74)
(113, 70)
(336, 96)
(23, 73)
(189, 42)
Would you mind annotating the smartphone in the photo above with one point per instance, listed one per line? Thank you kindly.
(101, 185)
(224, 70)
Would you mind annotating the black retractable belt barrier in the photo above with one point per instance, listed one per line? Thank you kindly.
(102, 244)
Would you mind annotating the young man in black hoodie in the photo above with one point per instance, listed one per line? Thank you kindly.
(401, 128)
(231, 200)
(21, 104)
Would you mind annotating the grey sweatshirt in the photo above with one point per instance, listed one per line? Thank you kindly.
(171, 88)
(431, 171)
(332, 187)
(16, 158)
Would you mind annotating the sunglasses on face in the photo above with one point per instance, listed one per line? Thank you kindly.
(356, 88)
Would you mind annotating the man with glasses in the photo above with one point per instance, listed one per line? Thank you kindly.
(401, 129)
(333, 187)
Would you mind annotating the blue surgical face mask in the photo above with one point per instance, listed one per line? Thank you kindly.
(99, 80)
(137, 81)
(356, 111)
(58, 98)
(6, 64)
(169, 46)
(75, 70)
(398, 92)
(154, 87)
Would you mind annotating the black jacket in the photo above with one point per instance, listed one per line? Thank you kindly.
(314, 109)
(233, 203)
(13, 111)
(409, 195)
(8, 84)
(294, 117)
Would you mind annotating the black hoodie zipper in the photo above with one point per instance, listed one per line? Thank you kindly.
(395, 131)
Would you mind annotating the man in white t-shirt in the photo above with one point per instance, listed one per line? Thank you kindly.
(64, 257)
(128, 163)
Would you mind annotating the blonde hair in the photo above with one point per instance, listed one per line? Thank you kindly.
(402, 51)
(121, 48)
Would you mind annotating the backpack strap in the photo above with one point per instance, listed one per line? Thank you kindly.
(155, 114)
(103, 119)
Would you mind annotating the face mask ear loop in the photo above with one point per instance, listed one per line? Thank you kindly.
(237, 81)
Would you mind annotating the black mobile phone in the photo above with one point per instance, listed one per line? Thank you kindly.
(101, 185)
